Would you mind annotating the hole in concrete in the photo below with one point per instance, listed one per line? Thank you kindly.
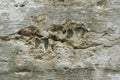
(74, 53)
(61, 0)
(66, 68)
(79, 31)
(58, 57)
(28, 31)
(46, 43)
(55, 70)
(17, 37)
(64, 32)
(39, 57)
(52, 47)
(16, 5)
(21, 50)
(22, 5)
(54, 37)
(69, 33)
(75, 47)
(37, 42)
(101, 2)
(23, 70)
(56, 28)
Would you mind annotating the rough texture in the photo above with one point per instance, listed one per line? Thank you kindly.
(59, 40)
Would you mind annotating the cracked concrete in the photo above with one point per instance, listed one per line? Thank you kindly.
(59, 40)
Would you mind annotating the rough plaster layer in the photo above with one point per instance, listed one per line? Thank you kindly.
(59, 40)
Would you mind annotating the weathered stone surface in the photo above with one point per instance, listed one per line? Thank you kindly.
(59, 40)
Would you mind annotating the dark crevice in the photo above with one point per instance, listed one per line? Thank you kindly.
(61, 0)
(66, 68)
(56, 38)
(46, 43)
(56, 28)
(16, 5)
(28, 31)
(22, 5)
(87, 46)
(4, 61)
(23, 70)
(40, 56)
(70, 33)
(6, 38)
(37, 42)
(101, 2)
(64, 31)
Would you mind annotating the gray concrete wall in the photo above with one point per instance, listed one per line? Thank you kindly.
(59, 40)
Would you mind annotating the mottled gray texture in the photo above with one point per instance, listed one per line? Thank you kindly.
(72, 40)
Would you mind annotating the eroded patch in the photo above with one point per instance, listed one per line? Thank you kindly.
(56, 45)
